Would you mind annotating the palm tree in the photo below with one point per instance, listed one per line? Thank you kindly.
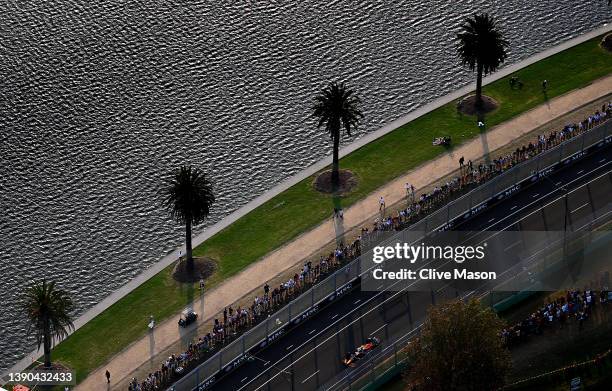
(188, 197)
(481, 47)
(48, 311)
(337, 107)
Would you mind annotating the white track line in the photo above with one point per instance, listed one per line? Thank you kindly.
(580, 207)
(534, 202)
(308, 378)
(375, 331)
(512, 245)
(401, 291)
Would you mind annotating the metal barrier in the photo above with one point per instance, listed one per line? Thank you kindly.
(392, 358)
(444, 218)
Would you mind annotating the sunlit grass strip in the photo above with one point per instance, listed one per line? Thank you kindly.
(300, 208)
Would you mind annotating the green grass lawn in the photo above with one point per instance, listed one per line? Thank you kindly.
(301, 208)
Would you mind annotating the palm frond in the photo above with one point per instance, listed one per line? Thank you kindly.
(336, 107)
(188, 195)
(481, 42)
(48, 307)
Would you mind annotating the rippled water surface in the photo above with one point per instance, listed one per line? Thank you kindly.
(100, 100)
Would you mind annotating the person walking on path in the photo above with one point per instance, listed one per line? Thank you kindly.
(107, 377)
(382, 204)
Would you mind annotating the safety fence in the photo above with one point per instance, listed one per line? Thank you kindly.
(392, 357)
(342, 280)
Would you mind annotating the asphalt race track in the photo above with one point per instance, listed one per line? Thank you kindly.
(309, 356)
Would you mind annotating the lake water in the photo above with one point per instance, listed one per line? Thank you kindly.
(100, 100)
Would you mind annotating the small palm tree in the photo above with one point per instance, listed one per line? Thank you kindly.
(481, 47)
(48, 310)
(188, 197)
(336, 107)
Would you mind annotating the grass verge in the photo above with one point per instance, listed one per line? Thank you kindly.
(301, 208)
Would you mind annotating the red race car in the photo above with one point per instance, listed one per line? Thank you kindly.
(351, 357)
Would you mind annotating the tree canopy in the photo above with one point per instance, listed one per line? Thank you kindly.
(49, 311)
(189, 196)
(481, 42)
(459, 349)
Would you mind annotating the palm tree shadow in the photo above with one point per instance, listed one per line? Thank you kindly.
(483, 139)
(151, 345)
(546, 100)
(202, 292)
(338, 218)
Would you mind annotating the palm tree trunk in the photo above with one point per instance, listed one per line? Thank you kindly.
(47, 343)
(335, 178)
(189, 250)
(479, 86)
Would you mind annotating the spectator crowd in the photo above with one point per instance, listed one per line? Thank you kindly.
(235, 321)
(574, 306)
(472, 175)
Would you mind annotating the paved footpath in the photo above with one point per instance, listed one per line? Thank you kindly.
(144, 353)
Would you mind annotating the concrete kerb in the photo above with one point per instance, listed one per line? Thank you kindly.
(200, 238)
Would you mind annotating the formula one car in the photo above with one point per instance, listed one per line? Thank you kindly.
(351, 357)
(187, 317)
